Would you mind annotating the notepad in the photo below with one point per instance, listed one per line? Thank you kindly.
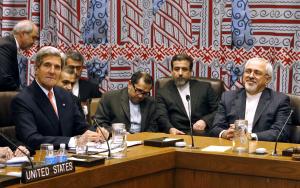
(216, 148)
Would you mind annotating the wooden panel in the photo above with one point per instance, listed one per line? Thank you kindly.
(162, 179)
(189, 178)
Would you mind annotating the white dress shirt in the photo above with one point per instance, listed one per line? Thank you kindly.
(184, 91)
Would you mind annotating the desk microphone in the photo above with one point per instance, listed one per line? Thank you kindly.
(188, 99)
(275, 149)
(17, 148)
(106, 140)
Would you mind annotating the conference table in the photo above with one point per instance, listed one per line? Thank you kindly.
(147, 166)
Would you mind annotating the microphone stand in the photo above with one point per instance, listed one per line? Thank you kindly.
(190, 121)
(17, 148)
(106, 140)
(275, 149)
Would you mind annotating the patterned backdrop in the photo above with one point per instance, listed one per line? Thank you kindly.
(119, 37)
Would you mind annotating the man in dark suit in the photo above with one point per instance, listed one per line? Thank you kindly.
(265, 110)
(84, 89)
(172, 106)
(25, 33)
(44, 113)
(132, 106)
(67, 80)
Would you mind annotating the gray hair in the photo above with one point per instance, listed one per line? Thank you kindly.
(269, 68)
(47, 51)
(23, 26)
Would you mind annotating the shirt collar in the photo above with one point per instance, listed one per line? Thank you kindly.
(46, 91)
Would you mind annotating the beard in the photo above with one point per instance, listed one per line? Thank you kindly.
(180, 81)
(251, 87)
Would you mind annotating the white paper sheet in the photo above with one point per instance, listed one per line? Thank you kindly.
(216, 148)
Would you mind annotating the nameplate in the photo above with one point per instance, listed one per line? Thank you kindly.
(46, 171)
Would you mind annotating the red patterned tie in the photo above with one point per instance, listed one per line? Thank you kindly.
(50, 96)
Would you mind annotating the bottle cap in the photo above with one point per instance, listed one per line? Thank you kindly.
(50, 147)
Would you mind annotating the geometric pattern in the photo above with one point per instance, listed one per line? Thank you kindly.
(119, 37)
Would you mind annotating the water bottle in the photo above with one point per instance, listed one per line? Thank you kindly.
(61, 154)
(50, 156)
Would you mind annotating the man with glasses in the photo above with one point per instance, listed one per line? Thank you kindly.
(265, 110)
(172, 105)
(24, 35)
(132, 106)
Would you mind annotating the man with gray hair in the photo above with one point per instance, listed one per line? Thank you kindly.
(265, 110)
(24, 35)
(44, 113)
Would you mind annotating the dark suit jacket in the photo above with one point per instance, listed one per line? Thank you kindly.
(9, 71)
(171, 111)
(271, 113)
(114, 108)
(88, 90)
(36, 121)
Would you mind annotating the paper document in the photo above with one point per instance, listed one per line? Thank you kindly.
(17, 160)
(216, 148)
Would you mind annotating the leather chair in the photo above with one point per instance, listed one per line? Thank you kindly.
(6, 120)
(92, 108)
(216, 84)
(295, 129)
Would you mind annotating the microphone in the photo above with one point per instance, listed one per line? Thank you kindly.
(17, 148)
(275, 149)
(188, 99)
(106, 140)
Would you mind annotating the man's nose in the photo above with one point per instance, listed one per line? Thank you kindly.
(69, 87)
(180, 71)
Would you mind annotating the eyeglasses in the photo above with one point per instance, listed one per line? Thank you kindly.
(256, 73)
(140, 92)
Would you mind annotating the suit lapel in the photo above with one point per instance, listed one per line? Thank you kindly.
(125, 103)
(240, 104)
(144, 112)
(176, 97)
(263, 102)
(44, 104)
(193, 93)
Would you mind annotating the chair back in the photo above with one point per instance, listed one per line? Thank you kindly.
(295, 129)
(6, 120)
(216, 84)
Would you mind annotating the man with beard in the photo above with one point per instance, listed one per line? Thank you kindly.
(172, 106)
(265, 110)
(132, 106)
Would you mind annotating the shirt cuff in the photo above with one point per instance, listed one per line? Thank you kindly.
(72, 142)
(220, 135)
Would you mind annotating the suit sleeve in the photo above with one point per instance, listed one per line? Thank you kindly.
(281, 115)
(7, 80)
(152, 125)
(220, 122)
(103, 112)
(26, 126)
(162, 112)
(213, 106)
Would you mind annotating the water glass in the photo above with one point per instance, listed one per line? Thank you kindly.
(240, 138)
(43, 152)
(119, 140)
(80, 142)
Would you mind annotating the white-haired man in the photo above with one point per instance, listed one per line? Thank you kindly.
(24, 35)
(44, 113)
(265, 110)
